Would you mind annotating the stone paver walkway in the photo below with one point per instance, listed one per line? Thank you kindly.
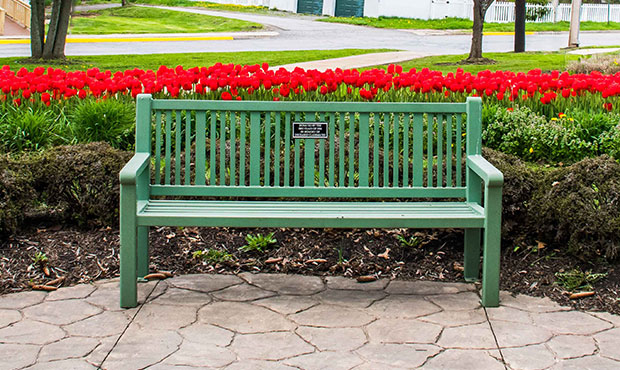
(260, 321)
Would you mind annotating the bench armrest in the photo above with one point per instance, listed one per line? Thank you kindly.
(136, 165)
(491, 176)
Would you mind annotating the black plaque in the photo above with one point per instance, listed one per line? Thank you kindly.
(309, 130)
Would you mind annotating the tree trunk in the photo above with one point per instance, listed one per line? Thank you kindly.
(480, 10)
(37, 28)
(57, 33)
(520, 8)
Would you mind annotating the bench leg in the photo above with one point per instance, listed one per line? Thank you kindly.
(492, 248)
(472, 254)
(128, 254)
(143, 251)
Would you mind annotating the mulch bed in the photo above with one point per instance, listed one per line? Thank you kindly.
(83, 256)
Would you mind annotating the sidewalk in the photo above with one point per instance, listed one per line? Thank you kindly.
(298, 322)
(357, 61)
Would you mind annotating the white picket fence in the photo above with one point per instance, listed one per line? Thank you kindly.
(499, 11)
(505, 12)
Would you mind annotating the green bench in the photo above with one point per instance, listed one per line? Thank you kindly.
(310, 164)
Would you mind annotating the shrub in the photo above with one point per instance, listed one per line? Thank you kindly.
(28, 129)
(527, 135)
(108, 120)
(16, 193)
(81, 182)
(520, 182)
(606, 64)
(579, 207)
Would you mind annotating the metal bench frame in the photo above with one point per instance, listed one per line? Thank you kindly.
(188, 148)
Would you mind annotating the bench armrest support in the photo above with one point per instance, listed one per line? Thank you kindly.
(491, 176)
(134, 168)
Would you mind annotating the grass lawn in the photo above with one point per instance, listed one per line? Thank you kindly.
(133, 19)
(521, 62)
(214, 6)
(188, 60)
(465, 24)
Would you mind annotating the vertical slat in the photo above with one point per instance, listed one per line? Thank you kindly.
(309, 161)
(242, 147)
(157, 166)
(386, 151)
(375, 151)
(351, 149)
(459, 150)
(233, 148)
(364, 148)
(395, 153)
(429, 150)
(287, 149)
(222, 148)
(177, 151)
(418, 149)
(296, 154)
(212, 148)
(440, 151)
(449, 121)
(277, 143)
(255, 145)
(341, 162)
(168, 147)
(201, 153)
(405, 151)
(321, 157)
(267, 156)
(188, 146)
(332, 143)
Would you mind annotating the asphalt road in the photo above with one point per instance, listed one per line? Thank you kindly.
(303, 33)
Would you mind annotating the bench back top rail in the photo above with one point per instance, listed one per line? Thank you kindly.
(251, 148)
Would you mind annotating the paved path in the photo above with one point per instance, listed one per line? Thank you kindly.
(357, 61)
(12, 29)
(298, 322)
(304, 33)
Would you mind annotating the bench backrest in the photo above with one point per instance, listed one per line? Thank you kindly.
(351, 150)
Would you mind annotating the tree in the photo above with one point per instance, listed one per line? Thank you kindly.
(480, 10)
(520, 10)
(54, 45)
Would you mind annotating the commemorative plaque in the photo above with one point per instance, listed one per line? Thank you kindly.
(309, 130)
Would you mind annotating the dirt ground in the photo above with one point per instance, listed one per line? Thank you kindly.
(43, 254)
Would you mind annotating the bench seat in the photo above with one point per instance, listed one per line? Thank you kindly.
(310, 214)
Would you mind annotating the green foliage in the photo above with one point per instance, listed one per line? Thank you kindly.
(16, 192)
(108, 120)
(576, 279)
(576, 207)
(258, 243)
(412, 242)
(533, 137)
(212, 256)
(534, 13)
(28, 129)
(80, 183)
(40, 259)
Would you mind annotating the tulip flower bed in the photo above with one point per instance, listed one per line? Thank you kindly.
(545, 94)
